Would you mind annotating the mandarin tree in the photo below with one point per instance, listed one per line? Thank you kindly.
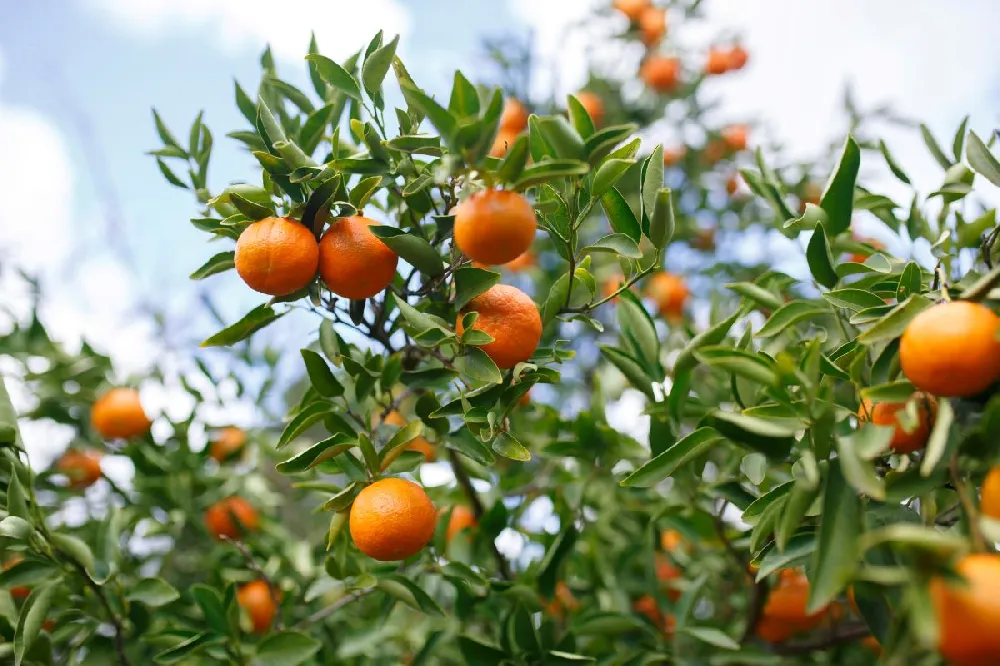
(490, 283)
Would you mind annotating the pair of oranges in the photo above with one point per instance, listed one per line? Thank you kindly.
(651, 20)
(720, 61)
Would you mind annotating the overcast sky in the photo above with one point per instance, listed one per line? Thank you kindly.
(84, 205)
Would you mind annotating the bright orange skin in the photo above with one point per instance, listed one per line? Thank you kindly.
(733, 184)
(255, 598)
(83, 468)
(525, 399)
(505, 139)
(21, 591)
(784, 614)
(353, 262)
(494, 226)
(735, 137)
(118, 414)
(886, 414)
(562, 602)
(738, 57)
(671, 540)
(230, 441)
(633, 9)
(277, 256)
(714, 151)
(593, 104)
(667, 572)
(419, 444)
(989, 494)
(461, 518)
(969, 615)
(521, 263)
(514, 117)
(672, 157)
(653, 25)
(670, 293)
(647, 605)
(220, 521)
(951, 349)
(392, 519)
(508, 315)
(717, 61)
(661, 73)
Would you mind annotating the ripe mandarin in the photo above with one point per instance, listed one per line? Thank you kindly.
(951, 349)
(735, 137)
(661, 73)
(521, 263)
(494, 226)
(230, 517)
(653, 25)
(461, 518)
(508, 315)
(505, 139)
(255, 598)
(673, 156)
(514, 117)
(118, 414)
(738, 57)
(276, 256)
(717, 61)
(969, 614)
(228, 443)
(670, 293)
(353, 262)
(989, 494)
(633, 9)
(392, 519)
(784, 614)
(82, 468)
(887, 414)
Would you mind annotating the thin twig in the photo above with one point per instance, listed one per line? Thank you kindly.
(252, 563)
(758, 599)
(335, 606)
(477, 508)
(720, 530)
(838, 636)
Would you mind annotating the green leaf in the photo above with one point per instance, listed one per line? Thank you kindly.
(853, 299)
(343, 499)
(893, 324)
(629, 367)
(665, 464)
(211, 607)
(405, 590)
(164, 133)
(608, 174)
(506, 445)
(970, 235)
(377, 66)
(910, 282)
(369, 453)
(892, 164)
(219, 263)
(713, 636)
(512, 165)
(789, 314)
(253, 210)
(307, 416)
(422, 144)
(363, 191)
(550, 169)
(317, 453)
(170, 175)
(838, 198)
(187, 647)
(559, 550)
(652, 185)
(932, 145)
(982, 160)
(471, 282)
(33, 614)
(253, 321)
(619, 244)
(755, 367)
(153, 592)
(859, 472)
(600, 144)
(286, 648)
(799, 500)
(291, 93)
(414, 250)
(772, 437)
(399, 439)
(561, 136)
(336, 76)
(578, 115)
(320, 375)
(620, 215)
(661, 222)
(464, 100)
(937, 443)
(837, 549)
(819, 258)
(639, 332)
(713, 336)
(757, 294)
(273, 132)
(475, 651)
(17, 499)
(476, 365)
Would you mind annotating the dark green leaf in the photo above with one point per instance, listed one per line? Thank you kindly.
(838, 198)
(377, 66)
(153, 592)
(320, 375)
(661, 222)
(819, 258)
(620, 215)
(982, 160)
(415, 250)
(932, 145)
(219, 263)
(336, 76)
(478, 366)
(253, 321)
(286, 648)
(470, 282)
(619, 244)
(665, 464)
(893, 324)
(836, 556)
(891, 163)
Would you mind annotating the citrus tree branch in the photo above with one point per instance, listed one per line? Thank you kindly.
(841, 634)
(477, 508)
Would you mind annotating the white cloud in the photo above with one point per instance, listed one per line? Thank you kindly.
(341, 28)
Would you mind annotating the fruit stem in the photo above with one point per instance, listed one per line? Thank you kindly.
(968, 506)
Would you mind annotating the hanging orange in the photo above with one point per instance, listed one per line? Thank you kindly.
(392, 519)
(118, 414)
(353, 262)
(887, 414)
(968, 614)
(82, 468)
(670, 293)
(221, 518)
(462, 518)
(227, 444)
(593, 105)
(510, 316)
(661, 73)
(514, 117)
(653, 25)
(277, 256)
(256, 599)
(494, 226)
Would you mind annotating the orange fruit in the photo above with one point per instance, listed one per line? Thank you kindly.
(505, 139)
(670, 293)
(737, 57)
(49, 625)
(653, 25)
(714, 151)
(227, 444)
(392, 519)
(508, 315)
(118, 414)
(717, 61)
(733, 184)
(255, 598)
(667, 572)
(661, 73)
(989, 494)
(647, 605)
(461, 518)
(969, 614)
(735, 137)
(671, 540)
(230, 517)
(353, 262)
(277, 256)
(19, 591)
(514, 117)
(494, 226)
(593, 104)
(703, 239)
(522, 262)
(784, 614)
(887, 414)
(419, 444)
(82, 468)
(525, 399)
(673, 156)
(612, 285)
(951, 349)
(633, 9)
(562, 601)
